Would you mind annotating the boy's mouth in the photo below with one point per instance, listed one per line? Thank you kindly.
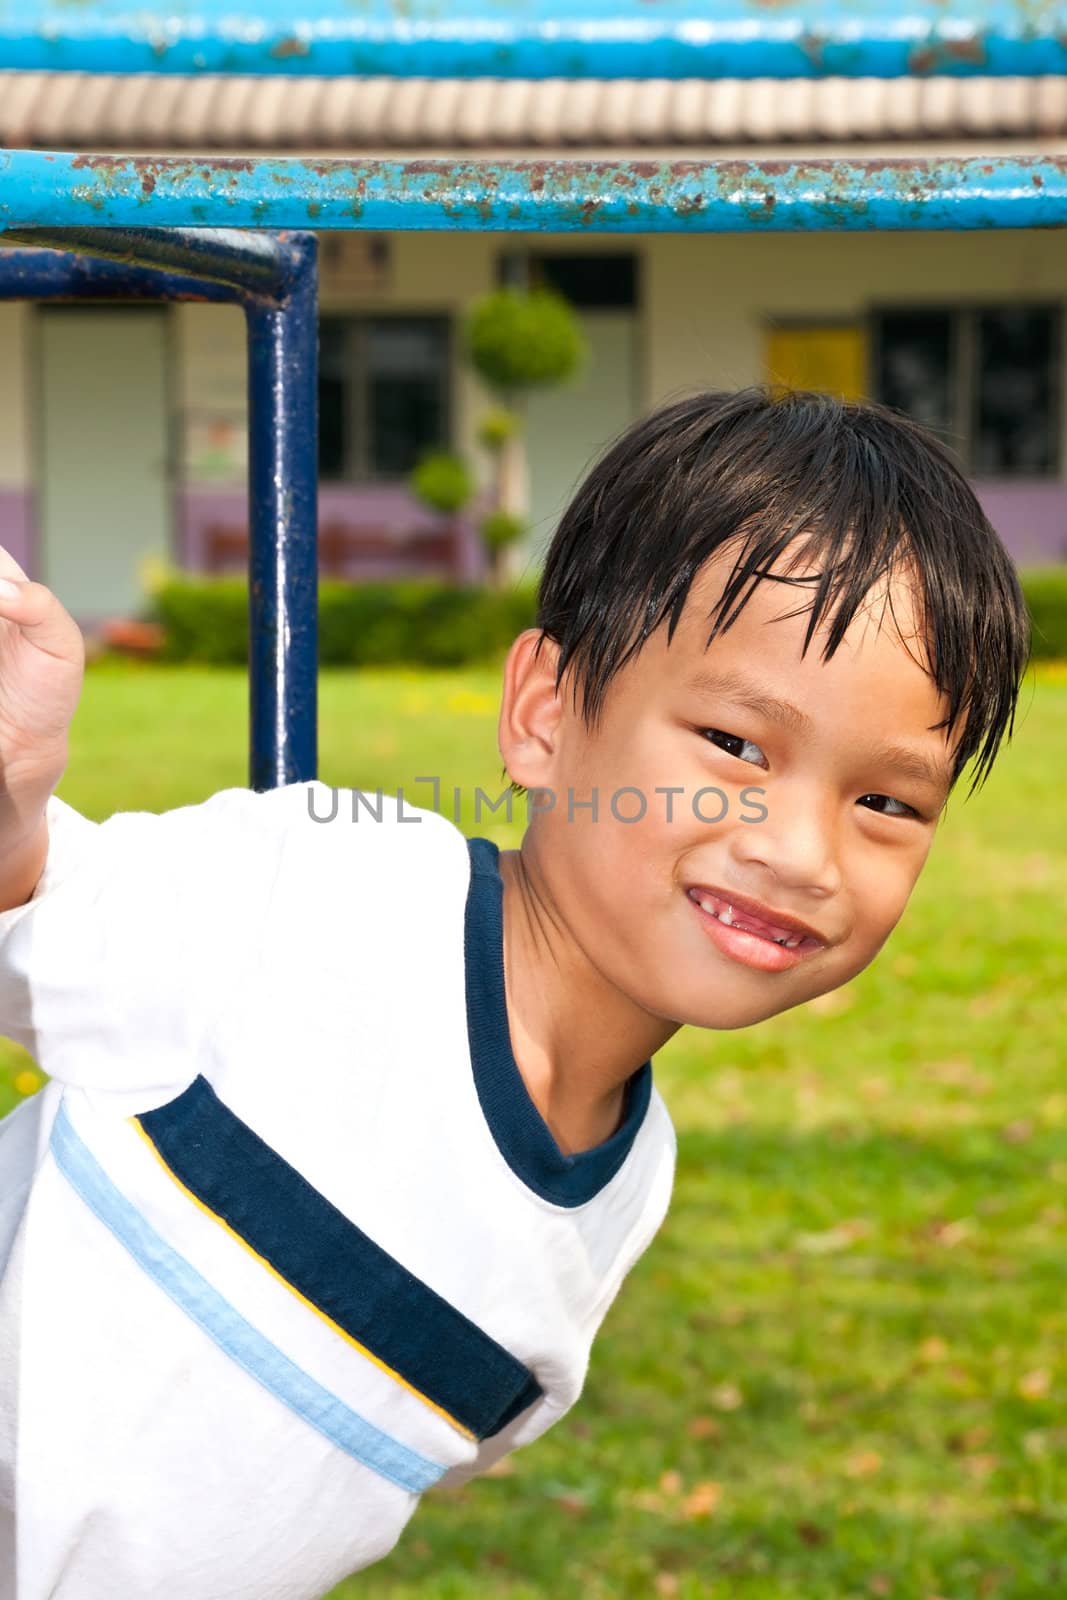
(771, 943)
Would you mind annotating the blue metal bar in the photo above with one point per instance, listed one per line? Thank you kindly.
(541, 38)
(283, 560)
(251, 263)
(553, 196)
(283, 398)
(49, 275)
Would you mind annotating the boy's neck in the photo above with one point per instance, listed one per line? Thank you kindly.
(575, 1037)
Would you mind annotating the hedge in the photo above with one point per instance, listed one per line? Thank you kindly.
(430, 623)
(426, 622)
(1046, 595)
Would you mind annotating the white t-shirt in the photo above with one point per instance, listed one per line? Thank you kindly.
(284, 1241)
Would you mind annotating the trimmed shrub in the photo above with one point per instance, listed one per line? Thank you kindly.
(438, 624)
(204, 619)
(1046, 596)
(519, 341)
(442, 481)
(500, 529)
(422, 622)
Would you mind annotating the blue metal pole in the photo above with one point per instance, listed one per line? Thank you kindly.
(283, 464)
(556, 196)
(283, 561)
(540, 38)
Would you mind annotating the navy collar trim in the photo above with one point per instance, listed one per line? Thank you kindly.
(522, 1136)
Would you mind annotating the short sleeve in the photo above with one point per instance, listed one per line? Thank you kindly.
(111, 972)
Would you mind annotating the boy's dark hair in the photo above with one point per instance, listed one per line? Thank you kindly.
(871, 492)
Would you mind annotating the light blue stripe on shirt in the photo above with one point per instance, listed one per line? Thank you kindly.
(230, 1331)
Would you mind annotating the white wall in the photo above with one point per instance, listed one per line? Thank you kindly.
(209, 386)
(705, 300)
(708, 298)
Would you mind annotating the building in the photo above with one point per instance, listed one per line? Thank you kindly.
(123, 428)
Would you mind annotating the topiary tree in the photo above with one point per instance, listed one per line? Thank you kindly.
(442, 481)
(517, 342)
(501, 532)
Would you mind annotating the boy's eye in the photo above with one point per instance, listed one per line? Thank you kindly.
(886, 806)
(734, 745)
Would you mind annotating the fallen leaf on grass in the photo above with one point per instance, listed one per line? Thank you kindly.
(958, 1072)
(703, 1500)
(864, 1464)
(727, 1397)
(972, 1439)
(1035, 1385)
(574, 1501)
(812, 1534)
(874, 1088)
(704, 1428)
(839, 1237)
(831, 1004)
(950, 1234)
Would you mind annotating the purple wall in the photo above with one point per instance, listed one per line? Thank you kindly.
(382, 506)
(1031, 517)
(17, 528)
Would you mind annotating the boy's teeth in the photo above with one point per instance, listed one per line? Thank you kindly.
(789, 942)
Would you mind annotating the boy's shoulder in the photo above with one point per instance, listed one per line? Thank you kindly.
(310, 819)
(374, 831)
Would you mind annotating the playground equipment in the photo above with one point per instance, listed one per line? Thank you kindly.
(167, 227)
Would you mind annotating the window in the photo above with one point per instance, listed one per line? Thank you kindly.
(383, 394)
(985, 379)
(600, 282)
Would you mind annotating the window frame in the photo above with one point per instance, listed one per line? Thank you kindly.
(963, 375)
(356, 466)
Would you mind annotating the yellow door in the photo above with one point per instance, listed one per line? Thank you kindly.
(831, 357)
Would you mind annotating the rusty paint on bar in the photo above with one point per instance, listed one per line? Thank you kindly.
(558, 196)
(541, 38)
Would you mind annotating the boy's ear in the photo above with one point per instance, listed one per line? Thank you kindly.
(530, 709)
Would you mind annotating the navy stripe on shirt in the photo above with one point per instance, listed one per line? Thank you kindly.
(406, 1326)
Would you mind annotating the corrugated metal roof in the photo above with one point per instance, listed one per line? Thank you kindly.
(74, 111)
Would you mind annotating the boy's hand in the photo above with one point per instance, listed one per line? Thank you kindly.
(42, 659)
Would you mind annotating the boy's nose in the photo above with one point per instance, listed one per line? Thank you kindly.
(796, 842)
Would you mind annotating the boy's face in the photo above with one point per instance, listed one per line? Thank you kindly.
(851, 777)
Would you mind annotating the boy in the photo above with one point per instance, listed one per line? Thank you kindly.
(351, 1135)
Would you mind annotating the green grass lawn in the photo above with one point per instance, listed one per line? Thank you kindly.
(841, 1370)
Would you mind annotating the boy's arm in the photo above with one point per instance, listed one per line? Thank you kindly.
(22, 862)
(90, 972)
